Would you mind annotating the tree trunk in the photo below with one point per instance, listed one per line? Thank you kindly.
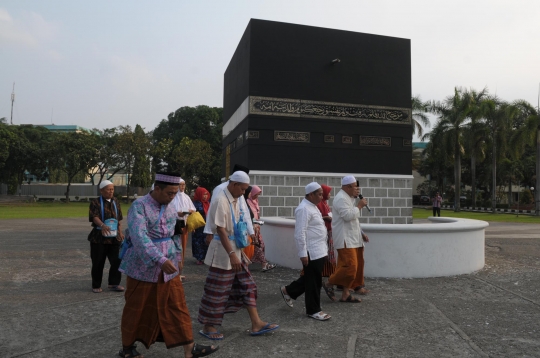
(67, 191)
(510, 192)
(494, 175)
(537, 187)
(457, 174)
(473, 178)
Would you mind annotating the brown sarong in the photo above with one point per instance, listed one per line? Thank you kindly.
(350, 268)
(156, 312)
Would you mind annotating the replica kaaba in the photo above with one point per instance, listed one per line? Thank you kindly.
(308, 102)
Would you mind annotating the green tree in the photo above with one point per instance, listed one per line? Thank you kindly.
(25, 153)
(499, 117)
(419, 115)
(197, 167)
(453, 113)
(109, 161)
(142, 176)
(201, 123)
(73, 153)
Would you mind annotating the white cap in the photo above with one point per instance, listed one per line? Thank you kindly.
(104, 183)
(239, 177)
(182, 181)
(349, 179)
(311, 187)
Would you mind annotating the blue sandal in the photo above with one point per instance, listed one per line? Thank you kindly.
(208, 335)
(265, 329)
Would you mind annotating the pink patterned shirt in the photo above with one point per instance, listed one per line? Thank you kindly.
(143, 260)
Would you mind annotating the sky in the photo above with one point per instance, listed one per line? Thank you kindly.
(101, 64)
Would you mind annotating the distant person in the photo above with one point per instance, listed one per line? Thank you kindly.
(437, 201)
(258, 256)
(183, 206)
(229, 285)
(349, 242)
(201, 201)
(105, 215)
(155, 307)
(330, 264)
(310, 235)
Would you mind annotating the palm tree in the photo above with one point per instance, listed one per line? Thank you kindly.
(499, 117)
(454, 112)
(419, 110)
(529, 133)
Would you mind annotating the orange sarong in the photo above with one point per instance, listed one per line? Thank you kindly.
(156, 312)
(350, 268)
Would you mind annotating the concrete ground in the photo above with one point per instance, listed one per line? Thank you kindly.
(47, 308)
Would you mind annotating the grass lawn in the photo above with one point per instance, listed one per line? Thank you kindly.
(513, 218)
(46, 210)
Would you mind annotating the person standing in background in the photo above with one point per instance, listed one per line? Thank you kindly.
(437, 201)
(253, 203)
(201, 202)
(330, 264)
(104, 239)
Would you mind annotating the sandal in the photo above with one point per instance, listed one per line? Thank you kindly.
(330, 292)
(351, 299)
(288, 300)
(116, 288)
(202, 351)
(97, 290)
(210, 334)
(320, 316)
(130, 352)
(268, 267)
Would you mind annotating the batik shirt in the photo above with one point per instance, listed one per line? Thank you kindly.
(95, 236)
(143, 260)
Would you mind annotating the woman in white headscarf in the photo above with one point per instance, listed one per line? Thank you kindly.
(184, 206)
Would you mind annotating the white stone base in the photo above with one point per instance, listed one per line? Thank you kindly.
(389, 196)
(446, 247)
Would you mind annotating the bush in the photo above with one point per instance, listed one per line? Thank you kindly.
(526, 197)
(502, 206)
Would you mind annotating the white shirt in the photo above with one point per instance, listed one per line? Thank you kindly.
(345, 226)
(220, 214)
(182, 203)
(309, 231)
(243, 205)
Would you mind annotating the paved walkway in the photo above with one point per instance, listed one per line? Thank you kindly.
(48, 310)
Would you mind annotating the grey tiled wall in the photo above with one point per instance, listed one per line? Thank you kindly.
(390, 199)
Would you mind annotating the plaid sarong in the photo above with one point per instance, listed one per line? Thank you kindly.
(226, 291)
(330, 264)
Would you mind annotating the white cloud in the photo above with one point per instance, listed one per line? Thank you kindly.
(28, 30)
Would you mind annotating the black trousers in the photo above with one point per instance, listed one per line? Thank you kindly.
(310, 284)
(99, 253)
(436, 211)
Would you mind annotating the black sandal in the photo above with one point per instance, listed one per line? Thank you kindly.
(130, 352)
(330, 292)
(203, 351)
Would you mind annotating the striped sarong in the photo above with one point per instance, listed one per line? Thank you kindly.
(226, 291)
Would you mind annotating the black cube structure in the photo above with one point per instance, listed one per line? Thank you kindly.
(304, 103)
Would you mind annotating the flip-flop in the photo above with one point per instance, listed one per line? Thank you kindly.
(265, 329)
(208, 335)
(351, 299)
(320, 316)
(330, 292)
(97, 290)
(116, 288)
(288, 300)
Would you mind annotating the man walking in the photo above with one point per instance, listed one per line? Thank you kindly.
(310, 234)
(155, 308)
(229, 284)
(349, 242)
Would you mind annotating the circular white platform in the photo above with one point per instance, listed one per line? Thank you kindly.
(444, 247)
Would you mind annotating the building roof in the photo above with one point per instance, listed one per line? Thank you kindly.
(64, 128)
(419, 145)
